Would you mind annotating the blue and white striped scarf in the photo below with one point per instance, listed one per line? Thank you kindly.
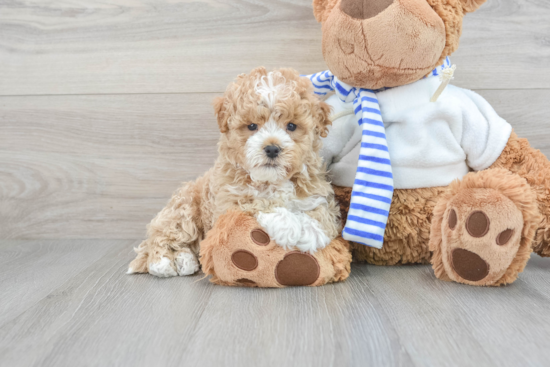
(373, 187)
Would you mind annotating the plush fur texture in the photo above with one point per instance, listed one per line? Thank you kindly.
(408, 229)
(254, 113)
(232, 232)
(396, 44)
(520, 158)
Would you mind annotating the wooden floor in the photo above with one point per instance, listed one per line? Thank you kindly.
(105, 107)
(69, 303)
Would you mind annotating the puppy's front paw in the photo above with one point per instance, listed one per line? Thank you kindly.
(282, 226)
(290, 230)
(186, 263)
(163, 268)
(313, 237)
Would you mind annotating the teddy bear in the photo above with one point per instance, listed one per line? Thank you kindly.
(424, 173)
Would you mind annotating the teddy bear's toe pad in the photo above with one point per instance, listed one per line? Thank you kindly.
(477, 224)
(244, 260)
(259, 237)
(246, 282)
(468, 265)
(297, 269)
(481, 236)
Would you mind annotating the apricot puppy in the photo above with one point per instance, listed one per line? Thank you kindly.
(268, 167)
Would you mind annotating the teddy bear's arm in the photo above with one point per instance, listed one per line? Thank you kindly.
(484, 133)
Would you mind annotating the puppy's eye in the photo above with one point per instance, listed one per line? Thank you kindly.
(252, 127)
(291, 126)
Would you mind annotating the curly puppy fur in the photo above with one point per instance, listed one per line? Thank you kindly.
(244, 177)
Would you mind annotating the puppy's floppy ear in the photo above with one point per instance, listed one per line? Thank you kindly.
(322, 9)
(221, 113)
(471, 5)
(323, 118)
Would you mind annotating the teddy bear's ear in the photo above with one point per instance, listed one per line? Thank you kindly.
(220, 111)
(471, 5)
(322, 8)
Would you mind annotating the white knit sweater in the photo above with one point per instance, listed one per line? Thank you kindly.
(430, 144)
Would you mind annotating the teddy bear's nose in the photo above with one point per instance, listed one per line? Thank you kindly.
(364, 9)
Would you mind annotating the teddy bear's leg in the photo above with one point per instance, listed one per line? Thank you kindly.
(238, 252)
(408, 229)
(519, 157)
(483, 228)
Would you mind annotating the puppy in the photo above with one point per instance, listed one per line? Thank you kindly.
(268, 166)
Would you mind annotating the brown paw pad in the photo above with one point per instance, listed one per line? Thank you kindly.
(259, 237)
(244, 260)
(453, 219)
(478, 224)
(468, 265)
(504, 237)
(246, 282)
(297, 268)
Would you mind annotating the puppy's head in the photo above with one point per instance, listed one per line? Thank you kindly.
(271, 124)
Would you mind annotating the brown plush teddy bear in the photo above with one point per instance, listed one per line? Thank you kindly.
(469, 195)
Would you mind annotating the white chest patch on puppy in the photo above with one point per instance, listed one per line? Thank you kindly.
(293, 229)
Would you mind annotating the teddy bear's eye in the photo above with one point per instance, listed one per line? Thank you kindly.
(291, 126)
(252, 127)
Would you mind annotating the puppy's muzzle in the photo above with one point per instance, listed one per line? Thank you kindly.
(272, 151)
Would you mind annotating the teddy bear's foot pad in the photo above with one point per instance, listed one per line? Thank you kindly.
(483, 227)
(244, 260)
(297, 268)
(469, 265)
(246, 282)
(481, 236)
(238, 252)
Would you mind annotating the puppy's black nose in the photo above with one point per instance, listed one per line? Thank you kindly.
(272, 151)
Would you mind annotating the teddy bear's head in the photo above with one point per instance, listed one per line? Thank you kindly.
(387, 43)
